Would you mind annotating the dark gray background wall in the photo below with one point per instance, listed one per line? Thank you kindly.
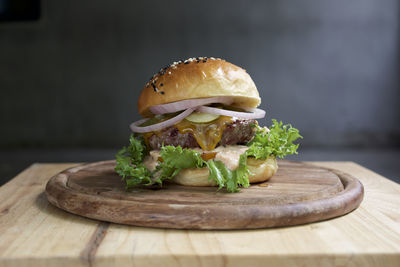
(72, 78)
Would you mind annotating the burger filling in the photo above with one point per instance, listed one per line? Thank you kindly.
(208, 136)
(222, 145)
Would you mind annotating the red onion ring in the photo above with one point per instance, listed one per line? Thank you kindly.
(158, 126)
(256, 113)
(189, 103)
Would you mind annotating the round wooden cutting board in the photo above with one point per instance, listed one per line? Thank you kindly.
(299, 193)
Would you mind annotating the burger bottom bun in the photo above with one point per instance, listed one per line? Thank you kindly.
(261, 170)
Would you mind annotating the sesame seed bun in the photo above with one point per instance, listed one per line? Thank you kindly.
(261, 170)
(199, 78)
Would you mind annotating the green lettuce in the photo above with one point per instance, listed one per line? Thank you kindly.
(130, 164)
(174, 159)
(275, 142)
(227, 178)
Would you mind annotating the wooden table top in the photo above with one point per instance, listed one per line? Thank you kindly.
(34, 233)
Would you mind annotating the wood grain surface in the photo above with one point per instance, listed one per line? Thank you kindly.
(297, 194)
(35, 233)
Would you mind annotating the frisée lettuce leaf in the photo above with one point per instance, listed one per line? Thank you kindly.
(174, 159)
(130, 164)
(277, 140)
(224, 177)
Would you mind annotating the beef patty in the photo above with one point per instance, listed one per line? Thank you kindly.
(236, 132)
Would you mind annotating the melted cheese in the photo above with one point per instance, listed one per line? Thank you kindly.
(207, 135)
(146, 137)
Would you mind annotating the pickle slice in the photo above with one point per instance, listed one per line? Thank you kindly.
(200, 117)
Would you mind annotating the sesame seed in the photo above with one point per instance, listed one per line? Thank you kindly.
(154, 87)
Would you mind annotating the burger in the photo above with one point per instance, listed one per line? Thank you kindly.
(200, 129)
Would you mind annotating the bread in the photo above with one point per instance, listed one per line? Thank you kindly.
(261, 170)
(199, 78)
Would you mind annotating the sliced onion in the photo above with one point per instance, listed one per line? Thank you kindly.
(189, 103)
(254, 113)
(158, 126)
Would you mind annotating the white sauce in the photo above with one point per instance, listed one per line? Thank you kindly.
(229, 155)
(150, 161)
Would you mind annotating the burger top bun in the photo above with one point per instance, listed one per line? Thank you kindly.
(199, 78)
